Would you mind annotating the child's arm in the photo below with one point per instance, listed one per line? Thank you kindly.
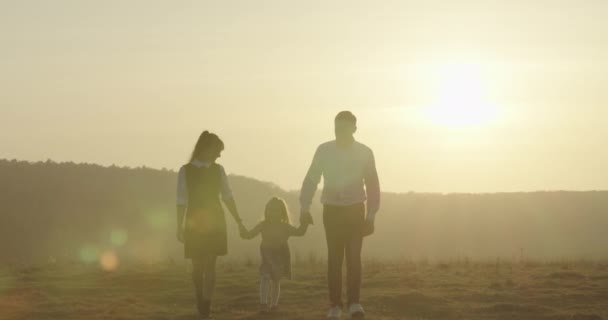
(250, 234)
(299, 231)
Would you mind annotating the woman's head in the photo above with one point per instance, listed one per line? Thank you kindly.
(276, 211)
(209, 147)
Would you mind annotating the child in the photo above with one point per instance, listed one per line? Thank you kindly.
(276, 257)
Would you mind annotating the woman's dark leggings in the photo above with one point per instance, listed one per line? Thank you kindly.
(203, 278)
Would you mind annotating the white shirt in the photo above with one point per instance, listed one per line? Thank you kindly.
(349, 177)
(182, 186)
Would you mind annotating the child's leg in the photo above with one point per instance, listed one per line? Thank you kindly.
(276, 291)
(264, 288)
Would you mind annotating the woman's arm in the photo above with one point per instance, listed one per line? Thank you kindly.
(182, 202)
(181, 211)
(245, 234)
(231, 205)
(227, 197)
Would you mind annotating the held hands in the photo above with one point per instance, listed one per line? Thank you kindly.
(242, 230)
(180, 234)
(368, 227)
(306, 218)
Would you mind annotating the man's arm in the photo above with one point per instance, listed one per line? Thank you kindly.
(372, 188)
(309, 187)
(299, 231)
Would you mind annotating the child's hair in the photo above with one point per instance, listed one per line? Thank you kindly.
(276, 211)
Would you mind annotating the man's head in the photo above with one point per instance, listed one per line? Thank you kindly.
(345, 125)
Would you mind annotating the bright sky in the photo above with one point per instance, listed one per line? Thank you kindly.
(453, 96)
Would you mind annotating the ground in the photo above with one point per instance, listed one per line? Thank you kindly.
(392, 290)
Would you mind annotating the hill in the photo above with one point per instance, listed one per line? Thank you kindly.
(69, 211)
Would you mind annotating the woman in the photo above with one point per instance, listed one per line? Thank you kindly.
(201, 224)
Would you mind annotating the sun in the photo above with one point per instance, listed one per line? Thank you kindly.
(461, 98)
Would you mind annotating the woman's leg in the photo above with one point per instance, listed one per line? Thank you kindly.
(209, 281)
(198, 269)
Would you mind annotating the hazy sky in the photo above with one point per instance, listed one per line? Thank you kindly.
(473, 96)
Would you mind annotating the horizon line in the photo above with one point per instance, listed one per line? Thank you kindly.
(163, 169)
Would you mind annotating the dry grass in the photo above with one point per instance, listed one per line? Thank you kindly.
(392, 290)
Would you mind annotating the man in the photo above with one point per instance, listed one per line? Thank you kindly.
(350, 178)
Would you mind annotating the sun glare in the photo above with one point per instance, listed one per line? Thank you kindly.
(460, 98)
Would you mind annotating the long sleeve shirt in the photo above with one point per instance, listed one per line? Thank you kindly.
(349, 177)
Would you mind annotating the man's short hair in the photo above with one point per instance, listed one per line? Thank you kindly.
(346, 116)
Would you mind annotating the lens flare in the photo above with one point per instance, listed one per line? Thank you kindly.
(109, 261)
(119, 237)
(89, 253)
(157, 219)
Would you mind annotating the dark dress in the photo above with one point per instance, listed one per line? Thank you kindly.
(205, 230)
(276, 262)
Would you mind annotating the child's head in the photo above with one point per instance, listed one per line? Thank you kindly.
(276, 211)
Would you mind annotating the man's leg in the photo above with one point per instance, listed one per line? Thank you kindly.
(335, 252)
(354, 243)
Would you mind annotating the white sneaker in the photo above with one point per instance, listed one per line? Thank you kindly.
(334, 313)
(356, 311)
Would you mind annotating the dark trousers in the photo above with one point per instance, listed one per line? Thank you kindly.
(344, 234)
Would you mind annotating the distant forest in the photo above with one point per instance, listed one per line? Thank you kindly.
(72, 212)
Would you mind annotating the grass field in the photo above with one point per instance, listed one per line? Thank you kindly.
(392, 290)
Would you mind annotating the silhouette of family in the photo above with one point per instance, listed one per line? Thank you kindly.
(350, 198)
